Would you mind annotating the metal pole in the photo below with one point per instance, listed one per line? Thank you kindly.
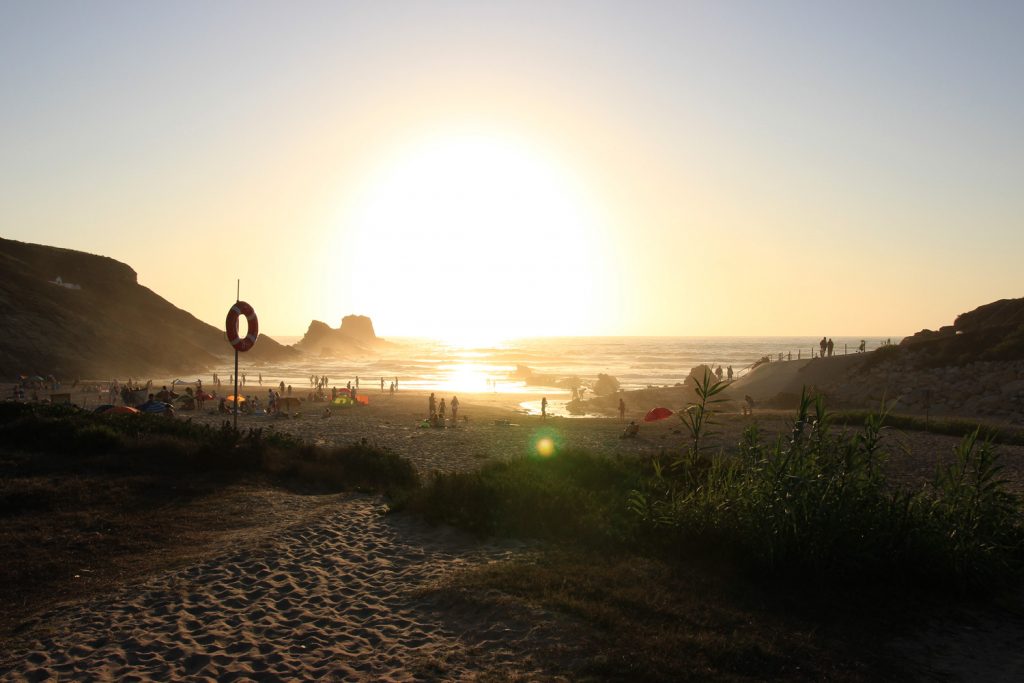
(236, 390)
(238, 297)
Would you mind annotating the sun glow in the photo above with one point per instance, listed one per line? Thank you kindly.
(474, 239)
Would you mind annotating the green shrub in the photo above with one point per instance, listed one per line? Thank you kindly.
(571, 496)
(359, 466)
(97, 438)
(818, 507)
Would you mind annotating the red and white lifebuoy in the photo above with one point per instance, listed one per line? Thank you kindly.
(231, 326)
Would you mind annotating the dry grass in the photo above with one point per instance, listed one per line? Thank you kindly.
(643, 620)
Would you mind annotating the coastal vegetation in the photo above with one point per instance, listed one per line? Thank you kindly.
(696, 563)
(88, 502)
(664, 557)
(813, 506)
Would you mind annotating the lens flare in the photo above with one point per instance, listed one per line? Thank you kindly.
(545, 447)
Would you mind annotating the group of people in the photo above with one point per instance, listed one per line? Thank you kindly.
(827, 347)
(436, 410)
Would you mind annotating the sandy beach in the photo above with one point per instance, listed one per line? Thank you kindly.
(339, 590)
(346, 596)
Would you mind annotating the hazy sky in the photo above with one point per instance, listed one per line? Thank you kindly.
(528, 168)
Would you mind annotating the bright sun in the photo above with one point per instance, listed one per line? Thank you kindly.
(475, 238)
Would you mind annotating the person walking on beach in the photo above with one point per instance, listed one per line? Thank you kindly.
(718, 373)
(357, 381)
(382, 385)
(544, 408)
(261, 379)
(391, 391)
(748, 405)
(432, 405)
(823, 344)
(622, 410)
(440, 411)
(455, 408)
(831, 346)
(728, 373)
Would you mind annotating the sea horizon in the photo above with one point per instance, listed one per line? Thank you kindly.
(541, 364)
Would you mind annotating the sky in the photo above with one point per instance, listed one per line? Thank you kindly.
(471, 170)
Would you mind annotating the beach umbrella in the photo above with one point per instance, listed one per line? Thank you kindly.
(154, 407)
(231, 399)
(655, 414)
(120, 410)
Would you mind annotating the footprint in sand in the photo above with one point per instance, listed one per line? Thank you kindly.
(338, 597)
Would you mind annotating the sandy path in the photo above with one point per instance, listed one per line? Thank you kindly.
(344, 597)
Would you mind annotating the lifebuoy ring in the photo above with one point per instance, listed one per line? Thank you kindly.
(231, 326)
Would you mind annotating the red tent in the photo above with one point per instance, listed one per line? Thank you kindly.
(655, 414)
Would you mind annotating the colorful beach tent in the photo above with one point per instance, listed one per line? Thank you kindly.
(231, 399)
(120, 410)
(655, 414)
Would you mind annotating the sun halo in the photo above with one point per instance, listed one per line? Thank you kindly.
(474, 239)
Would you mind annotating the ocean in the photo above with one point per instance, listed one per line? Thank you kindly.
(636, 362)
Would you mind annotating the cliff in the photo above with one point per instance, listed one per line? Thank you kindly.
(70, 313)
(355, 337)
(993, 332)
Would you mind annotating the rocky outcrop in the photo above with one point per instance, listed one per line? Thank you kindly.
(358, 327)
(355, 337)
(106, 326)
(998, 315)
(993, 332)
(974, 367)
(983, 388)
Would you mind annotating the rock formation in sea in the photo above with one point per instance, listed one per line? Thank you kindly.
(356, 336)
(73, 314)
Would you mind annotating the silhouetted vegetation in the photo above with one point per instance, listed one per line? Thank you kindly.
(149, 443)
(949, 426)
(812, 507)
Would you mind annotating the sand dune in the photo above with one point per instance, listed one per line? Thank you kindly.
(790, 377)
